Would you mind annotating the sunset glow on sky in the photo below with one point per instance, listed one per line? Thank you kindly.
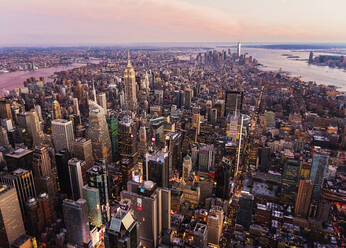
(123, 21)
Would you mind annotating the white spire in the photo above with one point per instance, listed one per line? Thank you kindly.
(128, 58)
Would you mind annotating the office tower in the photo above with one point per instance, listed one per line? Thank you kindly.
(34, 127)
(233, 126)
(187, 167)
(289, 181)
(38, 110)
(11, 221)
(318, 172)
(200, 236)
(223, 178)
(238, 49)
(303, 198)
(196, 122)
(19, 158)
(82, 149)
(213, 118)
(208, 108)
(75, 175)
(98, 133)
(152, 207)
(234, 102)
(4, 138)
(206, 157)
(142, 146)
(263, 161)
(62, 134)
(102, 100)
(5, 109)
(76, 106)
(92, 197)
(220, 106)
(311, 57)
(246, 202)
(270, 118)
(23, 181)
(76, 221)
(173, 144)
(128, 138)
(44, 177)
(188, 94)
(158, 164)
(215, 225)
(113, 125)
(39, 214)
(56, 110)
(7, 124)
(97, 178)
(61, 159)
(130, 86)
(122, 231)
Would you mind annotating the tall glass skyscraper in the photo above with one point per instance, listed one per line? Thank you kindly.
(318, 171)
(98, 133)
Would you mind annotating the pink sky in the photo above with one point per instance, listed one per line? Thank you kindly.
(123, 21)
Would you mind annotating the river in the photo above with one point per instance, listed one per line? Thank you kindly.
(11, 80)
(272, 60)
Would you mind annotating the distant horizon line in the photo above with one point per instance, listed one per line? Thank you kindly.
(166, 43)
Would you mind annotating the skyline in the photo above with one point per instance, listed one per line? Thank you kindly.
(84, 22)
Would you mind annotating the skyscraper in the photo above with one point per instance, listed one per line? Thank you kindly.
(187, 167)
(303, 198)
(206, 157)
(98, 133)
(102, 100)
(238, 49)
(82, 149)
(113, 125)
(215, 224)
(130, 86)
(63, 136)
(34, 127)
(318, 172)
(158, 164)
(76, 221)
(23, 181)
(128, 138)
(62, 159)
(233, 102)
(76, 180)
(122, 231)
(5, 109)
(43, 174)
(152, 207)
(56, 110)
(97, 179)
(142, 146)
(11, 221)
(246, 202)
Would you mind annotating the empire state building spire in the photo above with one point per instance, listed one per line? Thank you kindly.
(130, 85)
(128, 59)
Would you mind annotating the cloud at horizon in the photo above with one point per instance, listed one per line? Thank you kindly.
(30, 22)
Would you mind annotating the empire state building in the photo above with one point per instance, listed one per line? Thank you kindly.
(130, 86)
